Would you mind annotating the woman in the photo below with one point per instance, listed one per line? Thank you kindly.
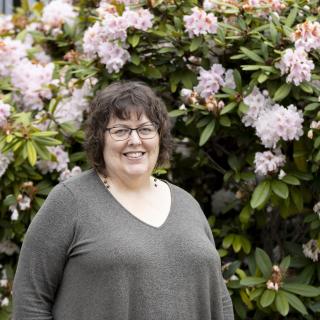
(114, 243)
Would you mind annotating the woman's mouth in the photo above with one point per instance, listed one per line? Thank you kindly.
(134, 155)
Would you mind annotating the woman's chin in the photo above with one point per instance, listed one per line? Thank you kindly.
(137, 170)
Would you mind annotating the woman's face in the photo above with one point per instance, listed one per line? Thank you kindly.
(133, 157)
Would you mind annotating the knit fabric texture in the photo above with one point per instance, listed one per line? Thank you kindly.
(85, 257)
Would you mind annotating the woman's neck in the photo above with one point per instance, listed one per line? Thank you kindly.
(130, 184)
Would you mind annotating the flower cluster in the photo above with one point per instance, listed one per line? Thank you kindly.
(296, 64)
(72, 107)
(263, 7)
(218, 5)
(23, 202)
(60, 163)
(311, 250)
(278, 123)
(11, 53)
(272, 122)
(210, 81)
(4, 113)
(200, 22)
(5, 160)
(316, 208)
(66, 174)
(257, 102)
(307, 35)
(32, 80)
(106, 39)
(6, 24)
(267, 162)
(57, 13)
(274, 283)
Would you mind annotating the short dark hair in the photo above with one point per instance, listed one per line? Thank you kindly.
(119, 100)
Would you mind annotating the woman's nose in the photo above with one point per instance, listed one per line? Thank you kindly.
(134, 137)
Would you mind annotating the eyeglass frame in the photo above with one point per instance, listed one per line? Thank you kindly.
(134, 129)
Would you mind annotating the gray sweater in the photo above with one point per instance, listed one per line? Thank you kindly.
(85, 257)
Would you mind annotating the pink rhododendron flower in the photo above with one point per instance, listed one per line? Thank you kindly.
(307, 35)
(66, 174)
(210, 81)
(6, 24)
(278, 123)
(140, 19)
(267, 162)
(296, 63)
(5, 160)
(311, 250)
(32, 80)
(257, 102)
(263, 7)
(200, 22)
(71, 107)
(4, 113)
(57, 13)
(113, 56)
(11, 53)
(61, 163)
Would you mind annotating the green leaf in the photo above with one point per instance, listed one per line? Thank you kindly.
(135, 59)
(245, 214)
(256, 293)
(225, 121)
(282, 304)
(236, 244)
(301, 289)
(227, 241)
(195, 44)
(282, 92)
(9, 200)
(280, 189)
(237, 79)
(260, 194)
(267, 298)
(252, 55)
(263, 262)
(252, 281)
(273, 33)
(291, 17)
(285, 263)
(32, 153)
(245, 244)
(177, 113)
(153, 72)
(228, 108)
(288, 179)
(134, 40)
(206, 133)
(306, 87)
(44, 134)
(297, 198)
(296, 303)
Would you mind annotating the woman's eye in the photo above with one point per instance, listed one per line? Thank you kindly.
(145, 130)
(120, 132)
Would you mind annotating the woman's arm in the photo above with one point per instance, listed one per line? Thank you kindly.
(43, 256)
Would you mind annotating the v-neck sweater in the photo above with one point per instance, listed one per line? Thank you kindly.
(85, 257)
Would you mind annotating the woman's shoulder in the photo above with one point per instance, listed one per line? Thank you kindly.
(181, 194)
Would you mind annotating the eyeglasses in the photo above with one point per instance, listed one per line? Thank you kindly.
(120, 133)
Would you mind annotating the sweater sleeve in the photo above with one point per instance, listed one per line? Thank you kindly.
(228, 313)
(226, 299)
(43, 256)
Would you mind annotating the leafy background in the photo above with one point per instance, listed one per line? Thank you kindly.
(266, 226)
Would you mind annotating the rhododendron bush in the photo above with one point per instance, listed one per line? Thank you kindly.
(241, 80)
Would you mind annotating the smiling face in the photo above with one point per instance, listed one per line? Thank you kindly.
(133, 157)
